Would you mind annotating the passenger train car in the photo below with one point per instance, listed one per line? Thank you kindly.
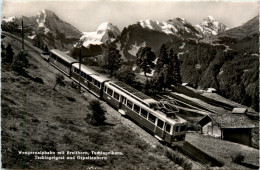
(145, 111)
(61, 61)
(89, 79)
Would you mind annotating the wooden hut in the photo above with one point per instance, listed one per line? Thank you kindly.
(236, 127)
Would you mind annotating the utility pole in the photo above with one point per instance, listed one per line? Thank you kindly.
(79, 69)
(22, 40)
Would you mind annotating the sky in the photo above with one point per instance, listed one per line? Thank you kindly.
(88, 15)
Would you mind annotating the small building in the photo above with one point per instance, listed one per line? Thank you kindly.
(211, 90)
(238, 110)
(236, 127)
(187, 84)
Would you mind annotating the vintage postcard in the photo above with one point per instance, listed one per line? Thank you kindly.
(129, 85)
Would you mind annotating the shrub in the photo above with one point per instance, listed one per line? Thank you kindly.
(98, 113)
(38, 80)
(67, 139)
(59, 80)
(193, 127)
(238, 158)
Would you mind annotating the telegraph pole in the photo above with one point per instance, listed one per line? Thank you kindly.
(79, 69)
(22, 40)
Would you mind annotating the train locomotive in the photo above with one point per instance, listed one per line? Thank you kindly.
(148, 113)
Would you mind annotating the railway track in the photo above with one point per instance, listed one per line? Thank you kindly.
(208, 100)
(26, 43)
(198, 155)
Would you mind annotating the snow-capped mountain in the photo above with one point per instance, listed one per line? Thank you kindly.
(106, 33)
(177, 26)
(45, 28)
(183, 28)
(209, 26)
(9, 19)
(158, 26)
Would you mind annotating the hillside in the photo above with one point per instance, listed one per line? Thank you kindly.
(228, 64)
(37, 118)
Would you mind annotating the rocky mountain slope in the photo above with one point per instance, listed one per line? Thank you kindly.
(93, 43)
(45, 28)
(155, 33)
(246, 30)
(209, 26)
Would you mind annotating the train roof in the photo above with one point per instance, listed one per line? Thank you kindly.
(137, 94)
(63, 56)
(99, 77)
(157, 113)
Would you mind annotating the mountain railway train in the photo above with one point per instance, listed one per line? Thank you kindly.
(148, 113)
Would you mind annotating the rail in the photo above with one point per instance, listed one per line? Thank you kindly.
(27, 43)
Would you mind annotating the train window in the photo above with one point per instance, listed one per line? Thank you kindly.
(151, 118)
(85, 75)
(168, 128)
(82, 74)
(144, 113)
(136, 108)
(123, 100)
(176, 128)
(98, 84)
(89, 78)
(183, 128)
(160, 123)
(116, 96)
(105, 88)
(75, 70)
(109, 91)
(95, 82)
(129, 104)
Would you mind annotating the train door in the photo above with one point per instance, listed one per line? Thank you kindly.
(121, 102)
(159, 129)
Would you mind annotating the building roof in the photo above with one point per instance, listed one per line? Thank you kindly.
(211, 90)
(230, 121)
(238, 110)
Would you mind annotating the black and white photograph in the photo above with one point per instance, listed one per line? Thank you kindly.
(129, 85)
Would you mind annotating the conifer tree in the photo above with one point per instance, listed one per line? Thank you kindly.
(145, 58)
(112, 60)
(9, 54)
(163, 58)
(174, 74)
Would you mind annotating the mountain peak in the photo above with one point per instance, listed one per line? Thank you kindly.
(105, 26)
(106, 32)
(45, 12)
(210, 18)
(210, 26)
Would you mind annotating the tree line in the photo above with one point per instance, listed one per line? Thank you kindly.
(165, 68)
